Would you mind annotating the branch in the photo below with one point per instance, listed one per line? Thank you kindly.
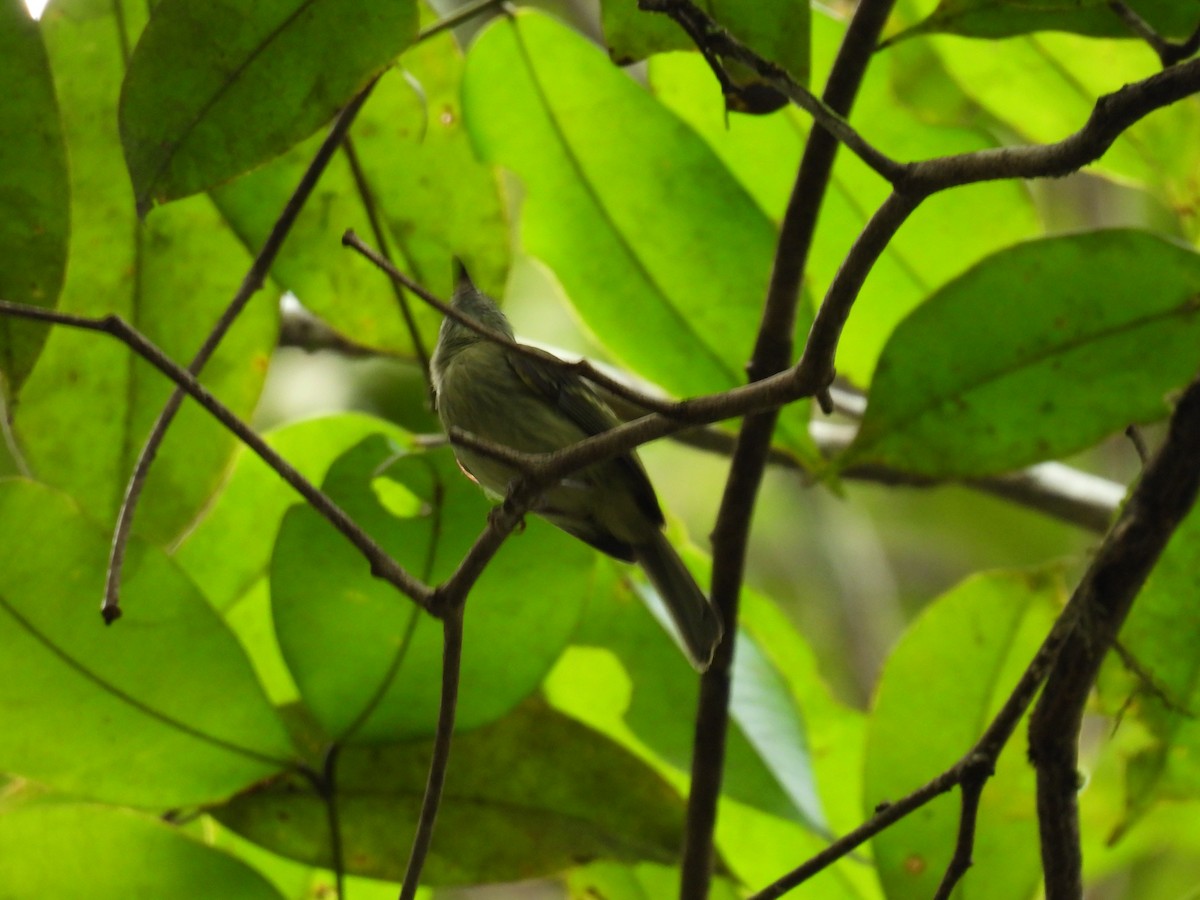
(772, 355)
(1112, 114)
(1165, 494)
(254, 280)
(829, 113)
(1066, 661)
(1169, 52)
(382, 564)
(452, 634)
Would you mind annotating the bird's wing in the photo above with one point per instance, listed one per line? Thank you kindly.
(572, 396)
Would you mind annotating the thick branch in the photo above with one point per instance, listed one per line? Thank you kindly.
(773, 352)
(1157, 505)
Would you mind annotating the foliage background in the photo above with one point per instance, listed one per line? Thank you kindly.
(623, 215)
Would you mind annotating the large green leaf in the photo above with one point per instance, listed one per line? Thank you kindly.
(33, 189)
(1037, 352)
(70, 850)
(763, 154)
(1066, 74)
(216, 88)
(949, 675)
(528, 796)
(161, 709)
(88, 404)
(663, 254)
(1096, 18)
(230, 548)
(364, 656)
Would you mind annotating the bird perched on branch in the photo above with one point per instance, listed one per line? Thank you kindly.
(536, 405)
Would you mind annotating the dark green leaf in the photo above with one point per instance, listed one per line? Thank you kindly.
(89, 403)
(528, 796)
(33, 189)
(779, 32)
(65, 850)
(215, 89)
(946, 679)
(364, 656)
(161, 709)
(1095, 18)
(1037, 352)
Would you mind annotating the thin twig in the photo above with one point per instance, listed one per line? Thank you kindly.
(716, 42)
(382, 564)
(328, 790)
(452, 635)
(254, 280)
(367, 196)
(580, 367)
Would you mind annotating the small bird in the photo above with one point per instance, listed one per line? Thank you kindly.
(536, 406)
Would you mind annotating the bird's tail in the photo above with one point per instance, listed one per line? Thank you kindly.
(695, 617)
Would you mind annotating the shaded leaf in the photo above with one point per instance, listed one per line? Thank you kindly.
(34, 202)
(89, 403)
(1095, 18)
(364, 656)
(57, 850)
(1037, 352)
(214, 89)
(528, 796)
(779, 32)
(161, 709)
(939, 689)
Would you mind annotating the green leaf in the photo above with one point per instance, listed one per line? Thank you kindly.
(34, 202)
(230, 548)
(215, 89)
(762, 151)
(1066, 75)
(1037, 352)
(528, 796)
(161, 709)
(69, 850)
(88, 405)
(945, 680)
(636, 216)
(644, 689)
(363, 655)
(1095, 18)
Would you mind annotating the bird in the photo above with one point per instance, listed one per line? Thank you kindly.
(532, 403)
